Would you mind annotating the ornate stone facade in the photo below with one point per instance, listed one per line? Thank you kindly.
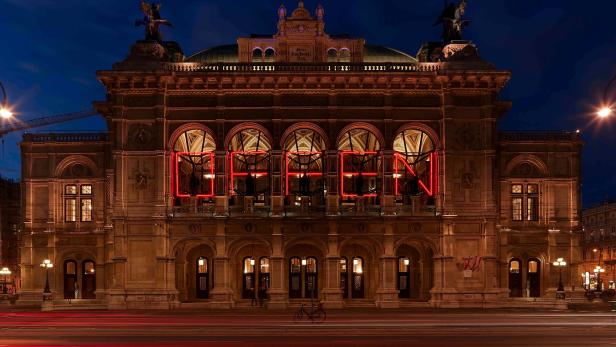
(303, 165)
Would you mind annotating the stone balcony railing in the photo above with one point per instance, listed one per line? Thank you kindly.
(247, 207)
(539, 136)
(67, 137)
(302, 67)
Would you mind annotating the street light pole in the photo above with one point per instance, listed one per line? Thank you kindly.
(560, 291)
(46, 265)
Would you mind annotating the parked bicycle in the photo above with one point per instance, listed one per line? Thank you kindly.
(316, 314)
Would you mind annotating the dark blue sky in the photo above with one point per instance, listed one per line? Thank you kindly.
(561, 54)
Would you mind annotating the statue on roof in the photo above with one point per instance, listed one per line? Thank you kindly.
(452, 21)
(152, 21)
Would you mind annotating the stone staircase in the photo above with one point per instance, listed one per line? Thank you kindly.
(74, 305)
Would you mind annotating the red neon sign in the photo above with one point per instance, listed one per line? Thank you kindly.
(298, 173)
(430, 188)
(234, 174)
(175, 182)
(344, 173)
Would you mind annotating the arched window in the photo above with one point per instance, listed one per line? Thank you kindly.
(248, 290)
(415, 163)
(332, 55)
(193, 158)
(360, 161)
(70, 279)
(345, 55)
(249, 150)
(344, 277)
(358, 278)
(88, 280)
(264, 277)
(270, 55)
(304, 150)
(295, 278)
(257, 55)
(515, 278)
(203, 285)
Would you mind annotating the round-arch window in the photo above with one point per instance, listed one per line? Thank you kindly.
(415, 164)
(270, 54)
(304, 163)
(257, 55)
(193, 160)
(250, 163)
(360, 161)
(332, 55)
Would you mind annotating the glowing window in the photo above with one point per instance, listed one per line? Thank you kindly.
(516, 209)
(193, 161)
(343, 265)
(360, 163)
(202, 265)
(358, 265)
(296, 265)
(516, 188)
(88, 268)
(70, 210)
(415, 164)
(70, 268)
(533, 266)
(86, 210)
(403, 264)
(70, 190)
(532, 189)
(304, 162)
(249, 265)
(86, 189)
(345, 56)
(264, 266)
(311, 265)
(514, 267)
(250, 163)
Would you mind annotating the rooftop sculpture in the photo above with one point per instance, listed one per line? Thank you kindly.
(152, 21)
(451, 19)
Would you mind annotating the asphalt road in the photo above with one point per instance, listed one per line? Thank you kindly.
(342, 328)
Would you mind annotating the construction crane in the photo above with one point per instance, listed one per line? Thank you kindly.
(39, 122)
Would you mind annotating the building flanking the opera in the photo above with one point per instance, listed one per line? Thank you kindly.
(301, 165)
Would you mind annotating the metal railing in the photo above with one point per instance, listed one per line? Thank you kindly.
(67, 137)
(539, 136)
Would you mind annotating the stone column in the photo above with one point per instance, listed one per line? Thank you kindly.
(278, 294)
(117, 291)
(445, 272)
(332, 293)
(387, 293)
(221, 294)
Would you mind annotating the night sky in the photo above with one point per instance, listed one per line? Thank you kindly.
(561, 54)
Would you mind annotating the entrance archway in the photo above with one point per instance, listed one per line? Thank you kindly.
(360, 270)
(304, 271)
(414, 272)
(251, 264)
(198, 276)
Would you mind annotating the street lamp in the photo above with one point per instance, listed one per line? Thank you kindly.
(598, 270)
(560, 263)
(607, 108)
(5, 113)
(46, 265)
(5, 272)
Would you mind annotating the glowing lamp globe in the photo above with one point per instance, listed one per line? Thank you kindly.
(604, 112)
(5, 113)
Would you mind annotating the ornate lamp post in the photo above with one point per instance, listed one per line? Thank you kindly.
(46, 265)
(598, 270)
(5, 272)
(560, 291)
